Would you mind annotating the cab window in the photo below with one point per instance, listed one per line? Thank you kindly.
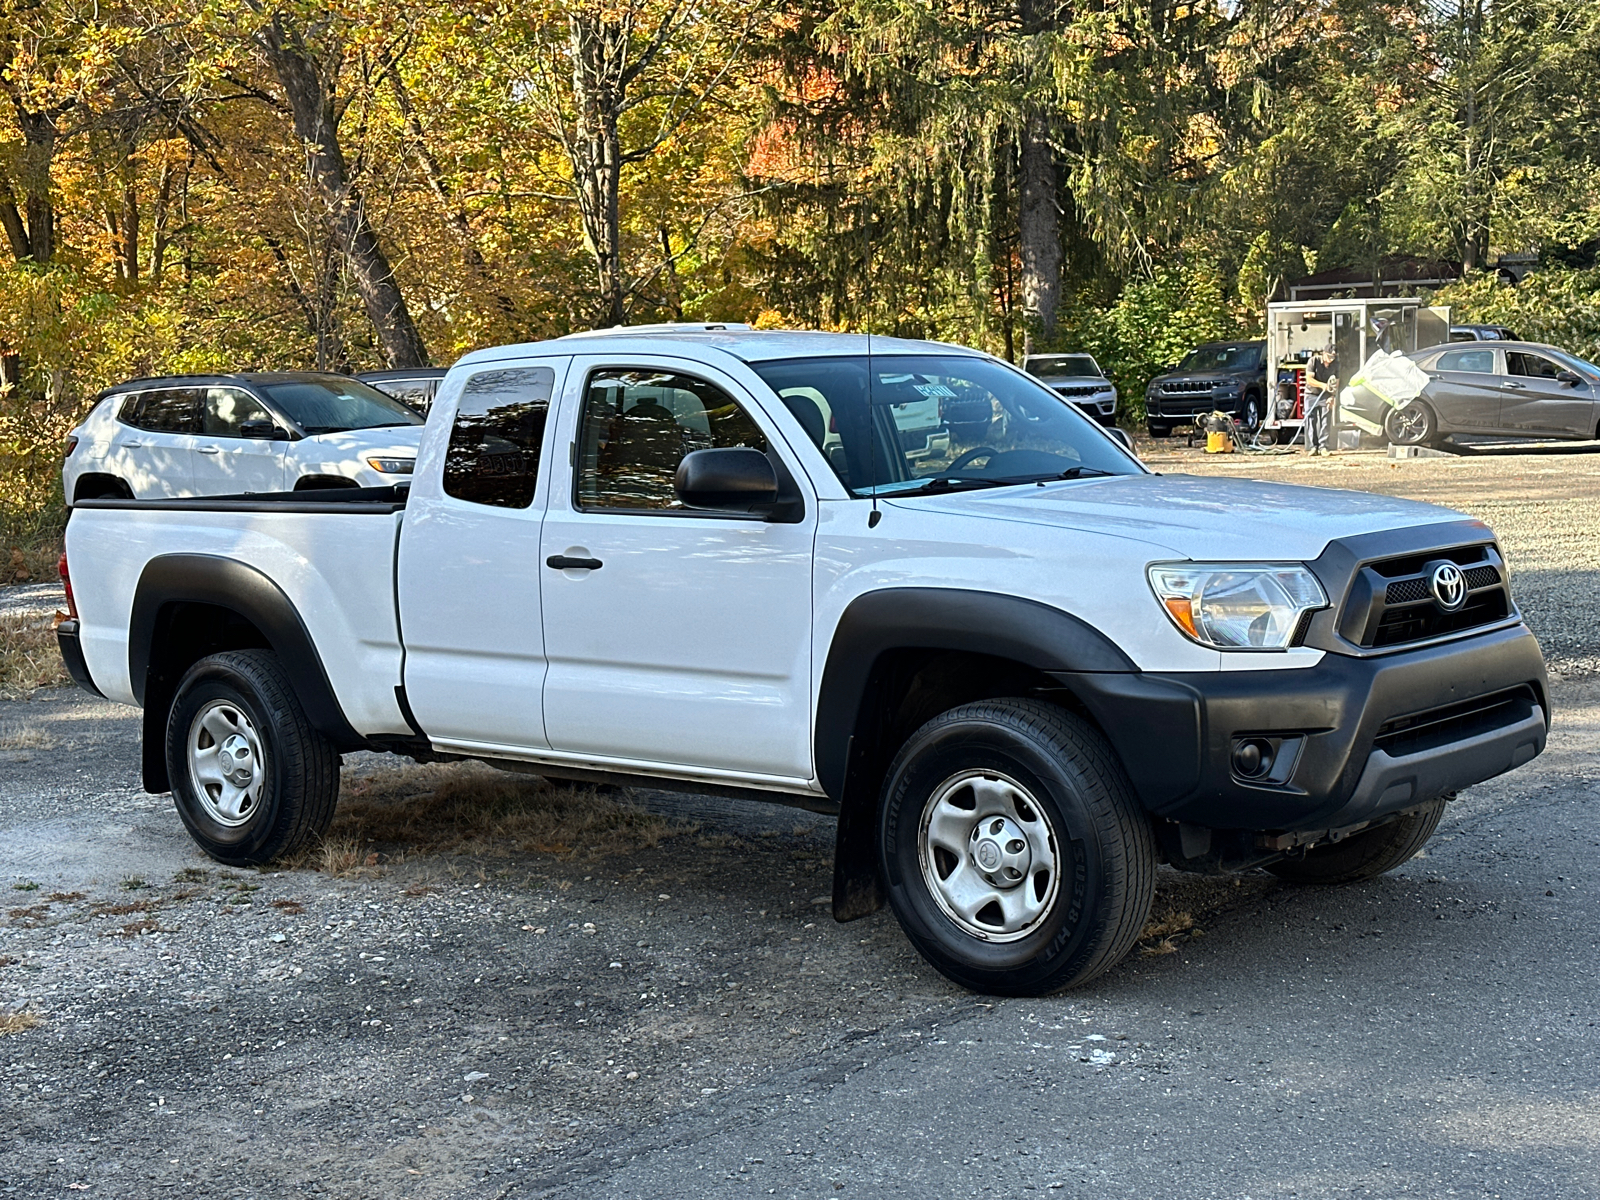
(493, 456)
(636, 427)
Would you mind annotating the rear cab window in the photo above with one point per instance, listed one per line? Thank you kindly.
(498, 436)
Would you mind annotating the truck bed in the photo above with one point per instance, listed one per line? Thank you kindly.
(331, 553)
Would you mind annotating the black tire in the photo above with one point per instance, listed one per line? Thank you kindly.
(1250, 413)
(298, 766)
(1158, 429)
(1090, 915)
(1365, 855)
(1413, 424)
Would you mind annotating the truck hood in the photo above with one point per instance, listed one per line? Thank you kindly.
(1197, 517)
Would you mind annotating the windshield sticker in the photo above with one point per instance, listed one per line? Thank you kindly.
(933, 390)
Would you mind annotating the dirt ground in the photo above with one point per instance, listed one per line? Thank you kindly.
(485, 985)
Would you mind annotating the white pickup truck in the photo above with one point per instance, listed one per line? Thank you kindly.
(1022, 670)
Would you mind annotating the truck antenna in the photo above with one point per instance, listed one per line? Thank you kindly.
(872, 418)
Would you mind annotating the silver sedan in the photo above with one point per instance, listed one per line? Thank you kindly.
(1510, 389)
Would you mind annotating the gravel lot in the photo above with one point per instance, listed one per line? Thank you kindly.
(649, 998)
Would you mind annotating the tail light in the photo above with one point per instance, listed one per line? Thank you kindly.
(66, 586)
(72, 444)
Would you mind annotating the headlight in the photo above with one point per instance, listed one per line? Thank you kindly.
(1237, 607)
(392, 466)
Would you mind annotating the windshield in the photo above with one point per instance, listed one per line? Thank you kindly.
(978, 423)
(1587, 369)
(1219, 358)
(1062, 365)
(335, 405)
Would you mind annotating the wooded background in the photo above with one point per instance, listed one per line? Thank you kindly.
(193, 185)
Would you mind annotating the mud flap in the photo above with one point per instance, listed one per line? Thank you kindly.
(858, 887)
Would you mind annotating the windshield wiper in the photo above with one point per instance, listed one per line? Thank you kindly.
(1076, 473)
(952, 483)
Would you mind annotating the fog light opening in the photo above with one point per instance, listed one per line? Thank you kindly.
(1252, 758)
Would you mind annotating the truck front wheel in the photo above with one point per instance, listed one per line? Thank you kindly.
(1017, 858)
(1365, 855)
(251, 778)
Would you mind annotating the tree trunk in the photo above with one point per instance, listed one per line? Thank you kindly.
(38, 218)
(16, 231)
(597, 50)
(158, 222)
(316, 123)
(130, 227)
(1039, 228)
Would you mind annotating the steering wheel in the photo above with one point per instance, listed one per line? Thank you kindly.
(979, 452)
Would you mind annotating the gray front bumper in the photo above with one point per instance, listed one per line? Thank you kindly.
(1390, 784)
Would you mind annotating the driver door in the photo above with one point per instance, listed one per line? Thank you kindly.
(674, 635)
(1535, 401)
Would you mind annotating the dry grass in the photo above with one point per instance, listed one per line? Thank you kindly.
(18, 1023)
(25, 737)
(468, 808)
(1162, 936)
(29, 657)
(34, 563)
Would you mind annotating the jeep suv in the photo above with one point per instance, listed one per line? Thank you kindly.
(1215, 377)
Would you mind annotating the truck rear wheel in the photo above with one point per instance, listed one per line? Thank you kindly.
(1365, 855)
(1017, 858)
(251, 778)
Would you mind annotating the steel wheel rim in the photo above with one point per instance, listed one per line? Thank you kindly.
(1252, 415)
(986, 885)
(226, 765)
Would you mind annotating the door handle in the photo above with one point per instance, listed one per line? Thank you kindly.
(562, 563)
(131, 445)
(210, 450)
(1517, 387)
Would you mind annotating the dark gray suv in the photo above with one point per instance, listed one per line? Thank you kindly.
(1215, 377)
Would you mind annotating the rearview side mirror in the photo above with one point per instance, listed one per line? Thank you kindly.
(265, 431)
(1120, 436)
(734, 479)
(1570, 378)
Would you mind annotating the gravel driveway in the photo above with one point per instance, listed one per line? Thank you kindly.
(651, 999)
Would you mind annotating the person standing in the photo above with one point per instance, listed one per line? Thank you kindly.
(1322, 385)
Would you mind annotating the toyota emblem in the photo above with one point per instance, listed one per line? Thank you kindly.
(1449, 586)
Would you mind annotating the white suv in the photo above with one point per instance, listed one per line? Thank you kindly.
(206, 435)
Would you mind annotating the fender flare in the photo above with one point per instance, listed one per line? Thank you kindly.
(924, 618)
(929, 618)
(250, 594)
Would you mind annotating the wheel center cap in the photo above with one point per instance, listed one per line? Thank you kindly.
(236, 760)
(1001, 851)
